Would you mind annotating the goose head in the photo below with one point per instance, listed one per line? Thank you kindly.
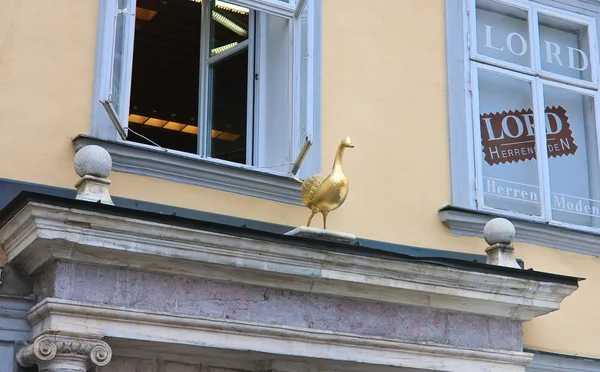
(347, 142)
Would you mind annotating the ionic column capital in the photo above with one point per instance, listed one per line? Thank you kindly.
(57, 352)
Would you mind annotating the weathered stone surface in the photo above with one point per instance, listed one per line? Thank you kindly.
(123, 364)
(503, 335)
(166, 366)
(15, 282)
(220, 300)
(499, 231)
(129, 365)
(316, 233)
(94, 161)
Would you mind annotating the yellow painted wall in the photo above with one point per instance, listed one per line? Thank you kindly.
(383, 84)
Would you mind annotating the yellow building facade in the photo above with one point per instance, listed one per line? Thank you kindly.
(384, 83)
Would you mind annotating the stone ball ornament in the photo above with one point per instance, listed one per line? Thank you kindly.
(499, 231)
(94, 161)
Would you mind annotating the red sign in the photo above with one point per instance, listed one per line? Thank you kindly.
(509, 136)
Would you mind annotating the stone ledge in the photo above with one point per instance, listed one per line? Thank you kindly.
(470, 223)
(285, 342)
(153, 162)
(41, 233)
(316, 233)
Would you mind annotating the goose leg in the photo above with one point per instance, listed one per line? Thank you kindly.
(324, 220)
(314, 211)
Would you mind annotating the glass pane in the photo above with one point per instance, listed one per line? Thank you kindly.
(564, 47)
(116, 86)
(573, 157)
(509, 165)
(303, 84)
(229, 26)
(503, 32)
(228, 113)
(166, 74)
(303, 120)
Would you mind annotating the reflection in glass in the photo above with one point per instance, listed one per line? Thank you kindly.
(503, 32)
(117, 67)
(228, 108)
(229, 26)
(165, 76)
(564, 47)
(572, 155)
(303, 19)
(509, 165)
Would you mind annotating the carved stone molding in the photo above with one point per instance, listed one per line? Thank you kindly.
(54, 352)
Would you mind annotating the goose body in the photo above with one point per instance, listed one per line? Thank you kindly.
(325, 193)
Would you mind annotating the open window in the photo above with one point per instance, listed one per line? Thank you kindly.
(231, 81)
(534, 100)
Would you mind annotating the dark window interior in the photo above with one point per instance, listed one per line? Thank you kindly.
(166, 79)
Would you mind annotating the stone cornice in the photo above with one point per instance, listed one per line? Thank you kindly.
(39, 233)
(169, 329)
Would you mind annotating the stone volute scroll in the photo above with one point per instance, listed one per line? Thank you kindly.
(323, 193)
(93, 164)
(64, 353)
(499, 233)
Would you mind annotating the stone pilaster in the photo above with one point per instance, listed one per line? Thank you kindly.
(64, 353)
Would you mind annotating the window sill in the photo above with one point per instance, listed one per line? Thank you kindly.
(129, 158)
(467, 222)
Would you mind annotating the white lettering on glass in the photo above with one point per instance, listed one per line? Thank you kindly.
(553, 50)
(488, 38)
(529, 124)
(509, 43)
(554, 125)
(488, 124)
(506, 129)
(529, 193)
(584, 60)
(550, 53)
(557, 120)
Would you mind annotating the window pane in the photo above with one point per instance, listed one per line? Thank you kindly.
(165, 78)
(304, 60)
(503, 32)
(118, 59)
(509, 165)
(229, 26)
(228, 102)
(564, 47)
(273, 93)
(303, 121)
(573, 157)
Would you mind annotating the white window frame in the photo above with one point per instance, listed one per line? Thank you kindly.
(103, 127)
(463, 106)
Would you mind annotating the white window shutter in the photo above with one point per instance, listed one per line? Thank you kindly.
(304, 29)
(120, 29)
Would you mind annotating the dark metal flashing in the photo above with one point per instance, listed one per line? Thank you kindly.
(565, 356)
(15, 195)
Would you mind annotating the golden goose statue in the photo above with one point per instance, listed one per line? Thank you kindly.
(323, 193)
